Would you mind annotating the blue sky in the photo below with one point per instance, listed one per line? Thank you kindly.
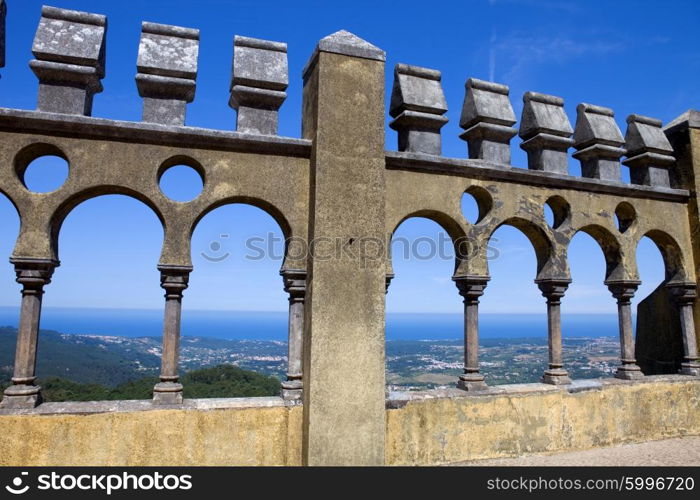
(636, 57)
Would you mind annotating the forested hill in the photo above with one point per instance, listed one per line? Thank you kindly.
(87, 368)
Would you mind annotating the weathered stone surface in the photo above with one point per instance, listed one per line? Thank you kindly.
(649, 154)
(343, 104)
(259, 77)
(527, 419)
(546, 132)
(70, 48)
(417, 106)
(487, 117)
(167, 71)
(599, 142)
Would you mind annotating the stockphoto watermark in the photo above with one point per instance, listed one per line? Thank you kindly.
(364, 250)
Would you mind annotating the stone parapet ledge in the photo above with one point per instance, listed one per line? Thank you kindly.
(399, 399)
(128, 406)
(479, 169)
(85, 127)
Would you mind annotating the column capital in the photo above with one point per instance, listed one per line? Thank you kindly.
(553, 289)
(388, 278)
(623, 290)
(683, 292)
(294, 283)
(174, 279)
(33, 274)
(471, 287)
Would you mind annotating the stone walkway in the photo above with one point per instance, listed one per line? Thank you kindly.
(678, 451)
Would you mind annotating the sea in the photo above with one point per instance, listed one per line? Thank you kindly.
(255, 325)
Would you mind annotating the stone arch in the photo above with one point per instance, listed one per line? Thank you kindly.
(670, 252)
(611, 248)
(538, 237)
(67, 206)
(288, 233)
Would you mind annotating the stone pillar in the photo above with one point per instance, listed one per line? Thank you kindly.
(471, 288)
(599, 142)
(487, 117)
(685, 295)
(553, 290)
(649, 154)
(69, 47)
(683, 134)
(295, 286)
(546, 133)
(260, 78)
(167, 72)
(174, 280)
(417, 106)
(33, 275)
(344, 344)
(623, 291)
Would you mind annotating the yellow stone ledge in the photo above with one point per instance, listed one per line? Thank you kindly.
(422, 428)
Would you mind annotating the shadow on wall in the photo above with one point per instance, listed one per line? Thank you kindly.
(659, 346)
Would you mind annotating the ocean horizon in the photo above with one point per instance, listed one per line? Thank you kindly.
(272, 325)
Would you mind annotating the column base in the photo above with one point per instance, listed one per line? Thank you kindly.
(22, 396)
(472, 382)
(691, 368)
(629, 372)
(167, 393)
(292, 390)
(556, 376)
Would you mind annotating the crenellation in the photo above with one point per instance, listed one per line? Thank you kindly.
(487, 117)
(598, 142)
(546, 132)
(259, 79)
(69, 67)
(167, 71)
(417, 105)
(649, 153)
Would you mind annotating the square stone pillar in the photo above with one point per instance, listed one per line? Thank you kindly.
(683, 134)
(344, 394)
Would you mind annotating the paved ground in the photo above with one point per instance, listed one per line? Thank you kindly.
(678, 451)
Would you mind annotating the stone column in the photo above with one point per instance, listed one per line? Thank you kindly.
(174, 280)
(33, 275)
(295, 286)
(471, 288)
(553, 291)
(685, 295)
(344, 343)
(623, 291)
